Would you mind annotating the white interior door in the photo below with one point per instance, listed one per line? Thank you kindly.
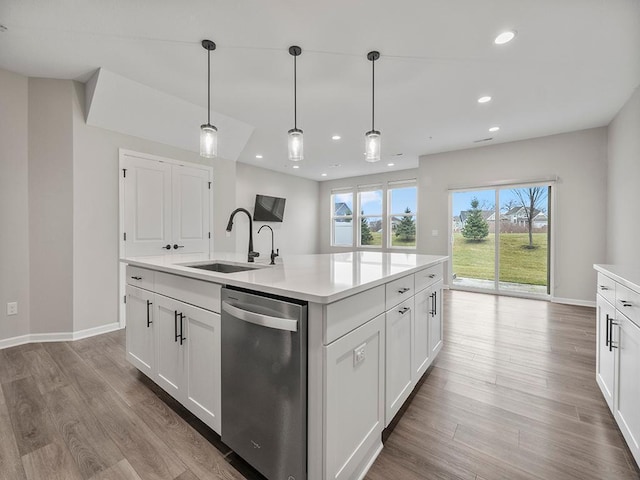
(190, 209)
(147, 212)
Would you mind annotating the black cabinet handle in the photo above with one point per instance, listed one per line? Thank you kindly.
(137, 278)
(611, 345)
(149, 321)
(167, 247)
(403, 290)
(403, 310)
(182, 337)
(625, 303)
(176, 246)
(175, 325)
(608, 332)
(435, 303)
(603, 287)
(433, 275)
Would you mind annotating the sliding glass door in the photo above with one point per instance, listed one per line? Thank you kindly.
(500, 239)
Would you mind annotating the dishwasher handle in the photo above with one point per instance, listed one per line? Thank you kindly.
(268, 321)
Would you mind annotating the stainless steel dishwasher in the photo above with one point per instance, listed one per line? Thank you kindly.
(264, 382)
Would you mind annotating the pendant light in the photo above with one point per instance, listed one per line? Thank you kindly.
(208, 132)
(296, 150)
(372, 137)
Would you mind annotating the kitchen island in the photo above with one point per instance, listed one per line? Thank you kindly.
(374, 327)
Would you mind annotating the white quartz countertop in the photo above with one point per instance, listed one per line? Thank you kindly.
(627, 275)
(322, 278)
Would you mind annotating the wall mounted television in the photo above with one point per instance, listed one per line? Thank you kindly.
(269, 209)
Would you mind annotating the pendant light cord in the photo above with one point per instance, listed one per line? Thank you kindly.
(295, 92)
(208, 87)
(373, 93)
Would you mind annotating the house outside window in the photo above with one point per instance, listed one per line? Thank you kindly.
(342, 219)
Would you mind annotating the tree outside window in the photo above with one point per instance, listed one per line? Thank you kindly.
(403, 203)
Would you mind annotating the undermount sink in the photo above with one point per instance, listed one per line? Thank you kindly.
(223, 267)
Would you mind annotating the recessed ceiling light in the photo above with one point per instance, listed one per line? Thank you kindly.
(296, 166)
(484, 99)
(390, 164)
(336, 137)
(494, 129)
(258, 156)
(323, 174)
(505, 37)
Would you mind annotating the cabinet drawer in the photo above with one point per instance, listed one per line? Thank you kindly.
(195, 292)
(628, 302)
(398, 291)
(140, 277)
(607, 288)
(428, 276)
(343, 316)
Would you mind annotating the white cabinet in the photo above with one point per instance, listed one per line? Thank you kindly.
(605, 353)
(399, 348)
(436, 329)
(354, 409)
(171, 361)
(627, 396)
(421, 346)
(141, 330)
(618, 355)
(177, 344)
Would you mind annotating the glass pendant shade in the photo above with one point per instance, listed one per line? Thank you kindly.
(372, 146)
(208, 141)
(296, 145)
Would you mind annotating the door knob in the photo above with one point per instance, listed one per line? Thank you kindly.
(167, 246)
(176, 246)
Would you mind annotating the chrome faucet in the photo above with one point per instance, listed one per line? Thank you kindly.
(273, 254)
(252, 254)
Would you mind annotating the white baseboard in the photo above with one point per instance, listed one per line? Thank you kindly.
(573, 301)
(58, 337)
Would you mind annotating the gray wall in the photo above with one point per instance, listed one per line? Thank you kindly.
(578, 159)
(51, 205)
(623, 225)
(14, 204)
(298, 233)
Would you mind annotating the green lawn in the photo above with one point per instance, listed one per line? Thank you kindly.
(517, 264)
(396, 242)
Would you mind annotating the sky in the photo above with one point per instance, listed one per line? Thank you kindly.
(487, 199)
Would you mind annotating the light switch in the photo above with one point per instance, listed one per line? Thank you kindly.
(359, 354)
(434, 233)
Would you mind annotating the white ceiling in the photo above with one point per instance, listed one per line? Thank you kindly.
(572, 65)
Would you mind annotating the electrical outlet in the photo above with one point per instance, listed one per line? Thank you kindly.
(12, 308)
(359, 354)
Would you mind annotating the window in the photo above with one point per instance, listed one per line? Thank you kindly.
(384, 216)
(370, 219)
(403, 210)
(342, 219)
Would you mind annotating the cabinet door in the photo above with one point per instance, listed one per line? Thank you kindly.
(171, 355)
(190, 209)
(147, 211)
(354, 399)
(435, 319)
(202, 395)
(399, 371)
(627, 400)
(604, 353)
(140, 330)
(421, 316)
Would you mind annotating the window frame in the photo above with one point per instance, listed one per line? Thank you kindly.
(396, 186)
(364, 189)
(335, 217)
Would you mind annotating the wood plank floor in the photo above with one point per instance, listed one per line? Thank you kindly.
(511, 396)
